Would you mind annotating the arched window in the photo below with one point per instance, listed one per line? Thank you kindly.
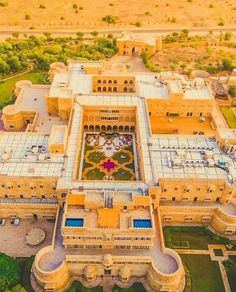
(104, 81)
(125, 89)
(115, 81)
(131, 82)
(126, 82)
(109, 89)
(115, 89)
(99, 89)
(99, 81)
(104, 89)
(109, 81)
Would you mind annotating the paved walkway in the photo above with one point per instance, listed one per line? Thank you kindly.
(16, 75)
(224, 277)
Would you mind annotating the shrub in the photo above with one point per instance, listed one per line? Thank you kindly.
(147, 62)
(94, 33)
(228, 264)
(3, 3)
(27, 17)
(138, 23)
(221, 23)
(110, 18)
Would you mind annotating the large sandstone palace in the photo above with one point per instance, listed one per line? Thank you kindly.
(112, 157)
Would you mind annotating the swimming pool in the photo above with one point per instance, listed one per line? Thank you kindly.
(75, 222)
(142, 223)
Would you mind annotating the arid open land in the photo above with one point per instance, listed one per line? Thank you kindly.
(74, 14)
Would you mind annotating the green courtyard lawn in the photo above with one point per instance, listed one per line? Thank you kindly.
(7, 87)
(229, 116)
(231, 274)
(205, 274)
(190, 237)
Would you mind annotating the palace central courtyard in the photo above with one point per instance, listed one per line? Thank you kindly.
(109, 156)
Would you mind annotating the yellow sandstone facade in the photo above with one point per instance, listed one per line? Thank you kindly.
(134, 45)
(143, 169)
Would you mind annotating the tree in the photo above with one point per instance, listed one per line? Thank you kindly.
(94, 33)
(228, 36)
(9, 272)
(80, 35)
(17, 288)
(110, 18)
(4, 67)
(226, 65)
(15, 34)
(232, 90)
(48, 35)
(14, 63)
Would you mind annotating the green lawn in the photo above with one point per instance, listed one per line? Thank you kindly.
(196, 237)
(232, 275)
(229, 116)
(205, 274)
(7, 87)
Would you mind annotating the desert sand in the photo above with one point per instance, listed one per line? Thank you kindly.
(60, 14)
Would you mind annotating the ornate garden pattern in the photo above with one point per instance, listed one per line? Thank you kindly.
(108, 157)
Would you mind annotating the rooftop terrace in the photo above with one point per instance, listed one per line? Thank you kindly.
(27, 155)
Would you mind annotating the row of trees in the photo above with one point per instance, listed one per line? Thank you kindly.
(40, 52)
(10, 274)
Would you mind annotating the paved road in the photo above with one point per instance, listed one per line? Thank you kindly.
(117, 31)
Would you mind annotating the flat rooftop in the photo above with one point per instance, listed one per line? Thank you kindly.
(138, 38)
(153, 86)
(180, 125)
(20, 157)
(192, 165)
(107, 217)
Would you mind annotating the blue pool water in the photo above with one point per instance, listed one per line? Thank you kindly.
(75, 222)
(142, 223)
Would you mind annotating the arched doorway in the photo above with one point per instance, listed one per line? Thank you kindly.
(97, 128)
(132, 129)
(125, 89)
(121, 128)
(115, 128)
(99, 89)
(126, 128)
(115, 89)
(108, 128)
(91, 128)
(103, 128)
(133, 51)
(104, 89)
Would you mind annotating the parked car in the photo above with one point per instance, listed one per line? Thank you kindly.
(16, 221)
(2, 222)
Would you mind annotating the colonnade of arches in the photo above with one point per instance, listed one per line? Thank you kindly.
(113, 89)
(108, 128)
